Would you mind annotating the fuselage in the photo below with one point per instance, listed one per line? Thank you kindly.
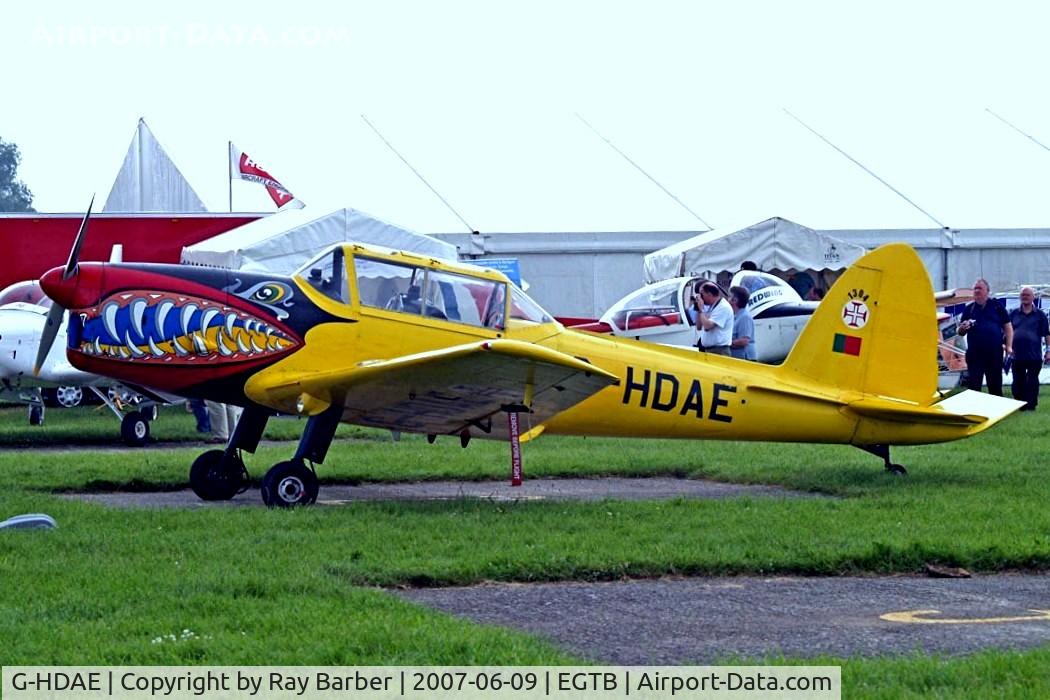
(206, 332)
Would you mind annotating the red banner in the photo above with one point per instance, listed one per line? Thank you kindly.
(242, 167)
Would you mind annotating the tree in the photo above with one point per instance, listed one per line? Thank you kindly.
(14, 195)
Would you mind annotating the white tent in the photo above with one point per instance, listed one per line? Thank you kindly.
(284, 241)
(772, 244)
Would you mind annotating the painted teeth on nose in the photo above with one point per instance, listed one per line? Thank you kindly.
(138, 313)
(162, 313)
(157, 352)
(206, 319)
(134, 349)
(230, 320)
(98, 347)
(241, 345)
(109, 320)
(200, 344)
(186, 315)
(179, 350)
(224, 349)
(255, 346)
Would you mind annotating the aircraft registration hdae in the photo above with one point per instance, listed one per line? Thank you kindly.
(397, 341)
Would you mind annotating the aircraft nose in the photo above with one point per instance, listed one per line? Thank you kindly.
(59, 290)
(78, 291)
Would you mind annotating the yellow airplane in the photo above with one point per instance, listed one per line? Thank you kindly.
(411, 344)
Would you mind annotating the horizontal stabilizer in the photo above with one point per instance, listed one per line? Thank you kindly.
(992, 408)
(883, 409)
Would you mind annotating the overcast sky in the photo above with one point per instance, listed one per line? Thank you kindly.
(481, 98)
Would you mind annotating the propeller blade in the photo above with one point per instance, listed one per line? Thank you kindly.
(74, 254)
(47, 338)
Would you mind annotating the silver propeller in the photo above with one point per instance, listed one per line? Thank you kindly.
(54, 316)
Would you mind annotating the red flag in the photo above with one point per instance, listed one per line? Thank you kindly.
(242, 167)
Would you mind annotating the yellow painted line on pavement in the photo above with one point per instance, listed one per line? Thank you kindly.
(915, 617)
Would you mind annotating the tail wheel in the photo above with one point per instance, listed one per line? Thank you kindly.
(289, 484)
(134, 429)
(213, 477)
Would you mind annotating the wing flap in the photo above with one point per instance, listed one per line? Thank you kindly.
(444, 391)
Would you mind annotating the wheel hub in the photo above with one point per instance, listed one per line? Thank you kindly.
(291, 489)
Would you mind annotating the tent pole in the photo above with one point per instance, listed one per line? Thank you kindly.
(229, 171)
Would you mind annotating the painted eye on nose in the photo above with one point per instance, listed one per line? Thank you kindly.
(269, 294)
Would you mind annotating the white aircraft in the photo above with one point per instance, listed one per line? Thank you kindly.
(23, 314)
(659, 313)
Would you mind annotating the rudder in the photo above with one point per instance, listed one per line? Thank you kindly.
(875, 332)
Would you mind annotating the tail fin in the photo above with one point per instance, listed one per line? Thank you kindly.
(875, 332)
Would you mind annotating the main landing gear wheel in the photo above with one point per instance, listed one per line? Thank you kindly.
(215, 478)
(896, 470)
(289, 484)
(134, 429)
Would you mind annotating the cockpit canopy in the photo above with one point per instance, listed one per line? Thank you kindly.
(659, 303)
(664, 303)
(766, 291)
(408, 285)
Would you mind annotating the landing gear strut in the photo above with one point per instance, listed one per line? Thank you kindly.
(883, 451)
(221, 475)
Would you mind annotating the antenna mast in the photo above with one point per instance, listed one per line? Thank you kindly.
(860, 165)
(639, 168)
(1022, 133)
(424, 180)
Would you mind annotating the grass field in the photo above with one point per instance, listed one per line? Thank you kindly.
(250, 586)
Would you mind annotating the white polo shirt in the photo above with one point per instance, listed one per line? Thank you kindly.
(721, 314)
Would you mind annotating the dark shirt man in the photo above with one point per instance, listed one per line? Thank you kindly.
(743, 345)
(1030, 331)
(986, 326)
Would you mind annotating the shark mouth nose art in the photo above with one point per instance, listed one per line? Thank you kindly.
(177, 328)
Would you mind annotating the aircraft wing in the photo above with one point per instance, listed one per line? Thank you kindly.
(443, 391)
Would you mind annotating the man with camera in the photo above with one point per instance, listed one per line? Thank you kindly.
(714, 319)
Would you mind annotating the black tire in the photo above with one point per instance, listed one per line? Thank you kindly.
(36, 414)
(214, 479)
(69, 396)
(289, 484)
(134, 429)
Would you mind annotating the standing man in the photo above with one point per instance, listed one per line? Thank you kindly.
(715, 320)
(743, 343)
(1030, 331)
(988, 332)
